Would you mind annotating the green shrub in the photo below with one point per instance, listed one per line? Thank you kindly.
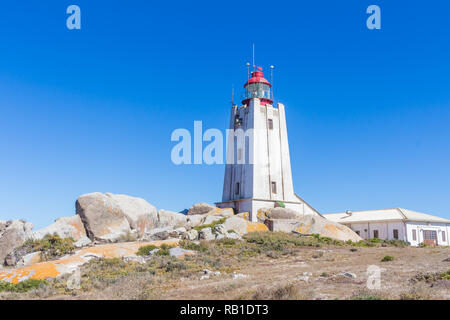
(188, 245)
(387, 258)
(51, 246)
(164, 250)
(211, 225)
(366, 294)
(23, 286)
(446, 275)
(145, 250)
(275, 241)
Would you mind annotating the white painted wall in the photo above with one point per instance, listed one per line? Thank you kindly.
(386, 230)
(271, 157)
(440, 229)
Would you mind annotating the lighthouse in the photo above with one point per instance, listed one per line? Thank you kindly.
(258, 170)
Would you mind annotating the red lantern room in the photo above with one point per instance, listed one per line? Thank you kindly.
(258, 87)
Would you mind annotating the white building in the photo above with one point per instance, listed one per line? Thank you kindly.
(260, 173)
(410, 226)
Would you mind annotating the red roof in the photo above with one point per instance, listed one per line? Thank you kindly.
(257, 77)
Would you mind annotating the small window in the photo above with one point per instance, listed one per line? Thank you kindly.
(375, 233)
(443, 236)
(270, 121)
(395, 234)
(238, 186)
(414, 234)
(239, 154)
(274, 187)
(358, 233)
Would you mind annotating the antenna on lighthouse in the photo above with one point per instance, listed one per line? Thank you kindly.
(271, 78)
(253, 56)
(248, 70)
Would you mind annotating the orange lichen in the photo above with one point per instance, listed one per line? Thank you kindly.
(51, 269)
(80, 232)
(304, 229)
(256, 226)
(246, 216)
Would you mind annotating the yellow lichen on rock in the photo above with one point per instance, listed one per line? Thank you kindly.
(52, 269)
(256, 227)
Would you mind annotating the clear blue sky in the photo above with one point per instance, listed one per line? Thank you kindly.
(92, 110)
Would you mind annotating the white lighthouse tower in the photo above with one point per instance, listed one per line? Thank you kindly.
(258, 170)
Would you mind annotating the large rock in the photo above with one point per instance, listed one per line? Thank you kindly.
(194, 220)
(66, 227)
(141, 215)
(282, 213)
(310, 224)
(12, 235)
(31, 258)
(190, 235)
(171, 219)
(102, 217)
(242, 226)
(201, 208)
(206, 234)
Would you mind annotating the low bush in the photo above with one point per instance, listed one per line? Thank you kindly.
(211, 225)
(366, 294)
(145, 250)
(51, 246)
(280, 292)
(23, 286)
(164, 250)
(387, 258)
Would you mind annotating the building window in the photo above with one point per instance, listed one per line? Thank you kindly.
(443, 236)
(358, 233)
(414, 234)
(375, 233)
(238, 186)
(239, 154)
(270, 121)
(274, 187)
(395, 234)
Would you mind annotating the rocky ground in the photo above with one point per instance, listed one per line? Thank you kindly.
(122, 247)
(263, 265)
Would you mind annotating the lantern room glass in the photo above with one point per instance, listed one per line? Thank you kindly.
(257, 90)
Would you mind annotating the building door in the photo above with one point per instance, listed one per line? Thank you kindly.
(430, 237)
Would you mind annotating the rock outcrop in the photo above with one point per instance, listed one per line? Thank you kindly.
(103, 217)
(242, 226)
(171, 219)
(12, 235)
(141, 215)
(69, 264)
(282, 213)
(66, 227)
(310, 224)
(201, 208)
